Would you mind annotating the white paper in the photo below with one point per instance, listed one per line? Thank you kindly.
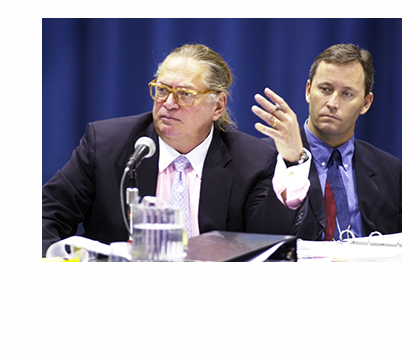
(85, 245)
(348, 251)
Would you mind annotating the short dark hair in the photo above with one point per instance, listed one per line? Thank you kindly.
(346, 54)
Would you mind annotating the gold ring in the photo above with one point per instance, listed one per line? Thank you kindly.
(275, 122)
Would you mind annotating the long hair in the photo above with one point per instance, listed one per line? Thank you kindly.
(217, 77)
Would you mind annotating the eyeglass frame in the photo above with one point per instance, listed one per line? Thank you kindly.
(153, 83)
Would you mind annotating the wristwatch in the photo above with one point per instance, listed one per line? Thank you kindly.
(303, 158)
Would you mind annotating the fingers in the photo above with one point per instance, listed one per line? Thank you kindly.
(271, 132)
(271, 112)
(265, 104)
(283, 126)
(273, 106)
(276, 99)
(265, 116)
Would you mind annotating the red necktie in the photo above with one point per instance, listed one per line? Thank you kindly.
(336, 203)
(331, 210)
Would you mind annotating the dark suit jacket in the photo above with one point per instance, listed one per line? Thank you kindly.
(236, 189)
(379, 191)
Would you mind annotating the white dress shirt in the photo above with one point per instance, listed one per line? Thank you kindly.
(293, 179)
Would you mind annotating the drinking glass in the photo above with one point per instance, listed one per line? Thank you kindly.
(158, 231)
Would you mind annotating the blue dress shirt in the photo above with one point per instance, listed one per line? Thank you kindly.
(321, 153)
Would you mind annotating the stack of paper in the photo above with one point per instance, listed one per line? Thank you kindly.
(363, 249)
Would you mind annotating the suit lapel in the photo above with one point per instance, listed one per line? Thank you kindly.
(147, 171)
(367, 189)
(316, 199)
(216, 184)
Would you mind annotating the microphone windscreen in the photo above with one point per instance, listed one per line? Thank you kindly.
(146, 141)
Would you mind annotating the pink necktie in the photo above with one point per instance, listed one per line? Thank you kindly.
(179, 192)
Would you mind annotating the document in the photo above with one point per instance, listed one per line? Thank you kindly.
(363, 249)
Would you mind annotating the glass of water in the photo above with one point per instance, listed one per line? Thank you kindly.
(158, 232)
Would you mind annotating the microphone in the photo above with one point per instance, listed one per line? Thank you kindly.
(144, 148)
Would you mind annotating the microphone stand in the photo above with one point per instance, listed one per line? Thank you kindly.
(144, 147)
(131, 195)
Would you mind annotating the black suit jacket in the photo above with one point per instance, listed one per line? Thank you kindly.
(236, 189)
(379, 191)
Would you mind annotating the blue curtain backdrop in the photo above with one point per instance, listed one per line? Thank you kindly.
(96, 69)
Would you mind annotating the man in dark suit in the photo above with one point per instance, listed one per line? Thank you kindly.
(236, 182)
(338, 91)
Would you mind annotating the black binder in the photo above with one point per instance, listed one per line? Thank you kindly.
(222, 246)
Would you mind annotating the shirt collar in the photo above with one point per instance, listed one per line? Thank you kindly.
(196, 156)
(321, 152)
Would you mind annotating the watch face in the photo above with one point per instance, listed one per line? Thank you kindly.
(303, 158)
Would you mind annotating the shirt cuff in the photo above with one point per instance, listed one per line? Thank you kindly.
(294, 180)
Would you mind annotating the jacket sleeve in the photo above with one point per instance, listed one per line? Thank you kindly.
(68, 197)
(265, 212)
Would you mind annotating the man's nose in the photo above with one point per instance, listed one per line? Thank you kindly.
(333, 102)
(170, 102)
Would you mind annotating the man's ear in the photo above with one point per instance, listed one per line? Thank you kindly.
(220, 105)
(367, 103)
(308, 91)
